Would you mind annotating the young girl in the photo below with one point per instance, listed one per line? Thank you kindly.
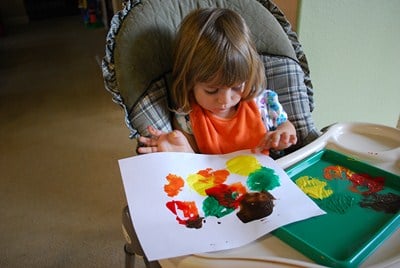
(218, 93)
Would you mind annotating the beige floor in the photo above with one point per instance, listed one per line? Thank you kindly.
(61, 193)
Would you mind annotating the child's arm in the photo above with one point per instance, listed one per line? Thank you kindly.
(190, 138)
(283, 137)
(174, 141)
(281, 133)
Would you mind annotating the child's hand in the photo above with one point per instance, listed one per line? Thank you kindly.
(160, 141)
(281, 138)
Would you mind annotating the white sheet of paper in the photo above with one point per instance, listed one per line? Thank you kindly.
(158, 230)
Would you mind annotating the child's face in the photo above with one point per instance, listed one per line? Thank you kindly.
(219, 100)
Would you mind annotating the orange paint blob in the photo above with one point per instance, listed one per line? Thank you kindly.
(337, 172)
(238, 187)
(218, 176)
(174, 186)
(359, 181)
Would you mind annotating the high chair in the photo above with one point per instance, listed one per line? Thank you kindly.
(138, 63)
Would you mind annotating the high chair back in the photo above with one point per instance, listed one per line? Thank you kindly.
(138, 60)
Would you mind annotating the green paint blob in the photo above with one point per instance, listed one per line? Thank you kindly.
(211, 207)
(338, 203)
(263, 179)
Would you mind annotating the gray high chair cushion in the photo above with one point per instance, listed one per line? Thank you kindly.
(138, 59)
(286, 78)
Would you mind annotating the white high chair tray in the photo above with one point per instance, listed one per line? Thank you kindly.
(374, 144)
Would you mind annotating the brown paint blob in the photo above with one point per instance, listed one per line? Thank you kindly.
(389, 203)
(254, 206)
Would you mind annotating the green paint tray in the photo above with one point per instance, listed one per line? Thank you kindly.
(348, 233)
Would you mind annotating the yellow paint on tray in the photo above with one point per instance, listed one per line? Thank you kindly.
(314, 187)
(243, 165)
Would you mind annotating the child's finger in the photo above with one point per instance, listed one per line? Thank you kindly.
(147, 150)
(293, 139)
(142, 141)
(261, 150)
(147, 141)
(284, 138)
(275, 140)
(154, 132)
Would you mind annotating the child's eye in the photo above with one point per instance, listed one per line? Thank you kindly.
(211, 90)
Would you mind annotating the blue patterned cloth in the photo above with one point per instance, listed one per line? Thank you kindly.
(271, 110)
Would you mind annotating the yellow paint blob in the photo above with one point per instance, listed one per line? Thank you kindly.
(199, 183)
(313, 187)
(205, 179)
(243, 165)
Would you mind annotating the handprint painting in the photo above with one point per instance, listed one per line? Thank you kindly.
(250, 202)
(198, 203)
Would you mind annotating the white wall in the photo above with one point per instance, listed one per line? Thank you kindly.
(353, 48)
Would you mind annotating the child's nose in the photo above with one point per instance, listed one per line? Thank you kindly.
(224, 96)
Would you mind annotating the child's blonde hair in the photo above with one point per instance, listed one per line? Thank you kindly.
(214, 45)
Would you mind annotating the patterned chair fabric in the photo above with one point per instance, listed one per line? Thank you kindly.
(138, 61)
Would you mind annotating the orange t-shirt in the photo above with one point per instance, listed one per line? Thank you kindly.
(216, 135)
